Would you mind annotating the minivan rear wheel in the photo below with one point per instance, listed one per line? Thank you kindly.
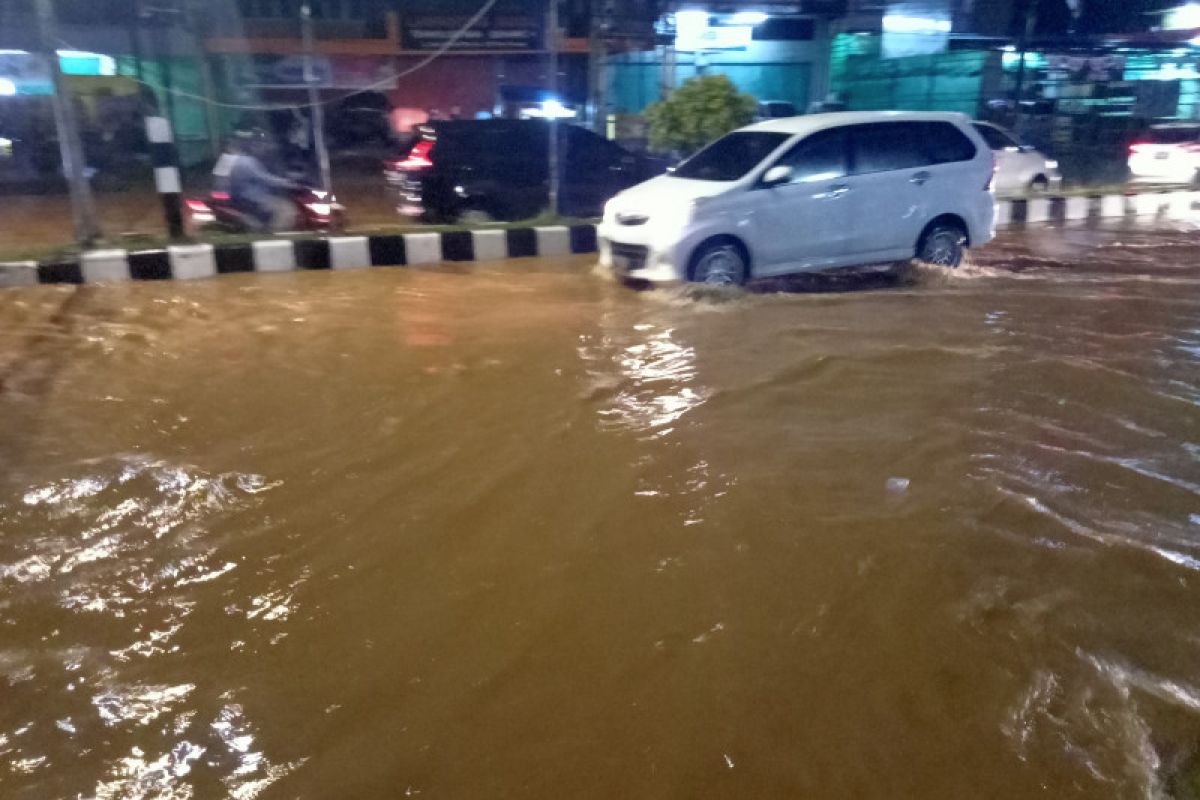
(943, 245)
(719, 263)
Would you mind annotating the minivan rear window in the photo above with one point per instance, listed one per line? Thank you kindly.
(996, 139)
(731, 156)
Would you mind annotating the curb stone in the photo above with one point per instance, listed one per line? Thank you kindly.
(183, 262)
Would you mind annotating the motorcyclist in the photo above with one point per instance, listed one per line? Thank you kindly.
(253, 190)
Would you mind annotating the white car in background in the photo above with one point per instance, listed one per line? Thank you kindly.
(815, 192)
(1167, 153)
(1020, 168)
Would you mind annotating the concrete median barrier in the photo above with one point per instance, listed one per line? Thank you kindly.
(184, 262)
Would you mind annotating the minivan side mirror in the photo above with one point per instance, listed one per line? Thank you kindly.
(777, 175)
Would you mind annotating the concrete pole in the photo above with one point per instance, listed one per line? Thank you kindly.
(598, 66)
(83, 205)
(552, 85)
(1026, 34)
(316, 110)
(164, 155)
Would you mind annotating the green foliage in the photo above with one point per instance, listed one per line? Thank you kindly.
(701, 110)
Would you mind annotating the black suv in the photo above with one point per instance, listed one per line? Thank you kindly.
(499, 169)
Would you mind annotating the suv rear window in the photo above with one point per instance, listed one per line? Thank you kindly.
(1173, 135)
(885, 146)
(731, 156)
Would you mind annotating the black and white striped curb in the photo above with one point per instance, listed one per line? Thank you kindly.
(349, 252)
(181, 262)
(1151, 206)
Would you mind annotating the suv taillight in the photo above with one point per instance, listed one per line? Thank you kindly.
(418, 157)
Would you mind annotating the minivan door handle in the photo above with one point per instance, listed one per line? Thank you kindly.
(835, 191)
(920, 178)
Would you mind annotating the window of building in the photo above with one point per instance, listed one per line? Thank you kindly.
(784, 29)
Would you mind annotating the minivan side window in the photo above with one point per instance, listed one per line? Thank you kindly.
(945, 143)
(819, 157)
(884, 146)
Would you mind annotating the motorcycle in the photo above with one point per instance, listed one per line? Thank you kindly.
(313, 210)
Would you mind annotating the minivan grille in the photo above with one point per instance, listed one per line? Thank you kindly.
(634, 255)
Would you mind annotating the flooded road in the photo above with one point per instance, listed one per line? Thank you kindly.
(517, 531)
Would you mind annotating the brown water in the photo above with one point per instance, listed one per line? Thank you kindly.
(517, 531)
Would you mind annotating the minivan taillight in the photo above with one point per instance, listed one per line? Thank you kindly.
(418, 157)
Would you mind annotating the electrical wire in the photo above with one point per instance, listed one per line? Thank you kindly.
(436, 54)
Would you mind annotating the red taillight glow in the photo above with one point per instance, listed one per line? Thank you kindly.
(1137, 147)
(197, 205)
(220, 195)
(418, 157)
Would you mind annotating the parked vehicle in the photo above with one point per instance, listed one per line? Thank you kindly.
(775, 109)
(314, 210)
(808, 193)
(1167, 153)
(1020, 168)
(481, 170)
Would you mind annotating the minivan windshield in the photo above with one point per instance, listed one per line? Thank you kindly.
(731, 156)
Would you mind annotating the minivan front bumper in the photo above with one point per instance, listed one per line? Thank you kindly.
(641, 253)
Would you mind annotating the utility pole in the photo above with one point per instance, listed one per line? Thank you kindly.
(552, 81)
(135, 43)
(316, 111)
(83, 205)
(1027, 29)
(598, 64)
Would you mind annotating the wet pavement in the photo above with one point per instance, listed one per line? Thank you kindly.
(514, 530)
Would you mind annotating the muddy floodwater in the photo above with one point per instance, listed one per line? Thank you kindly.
(514, 530)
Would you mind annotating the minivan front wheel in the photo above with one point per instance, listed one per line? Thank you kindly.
(719, 263)
(943, 245)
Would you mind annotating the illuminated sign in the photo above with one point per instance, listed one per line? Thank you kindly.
(695, 33)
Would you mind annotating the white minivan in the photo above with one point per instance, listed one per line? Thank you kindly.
(808, 193)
